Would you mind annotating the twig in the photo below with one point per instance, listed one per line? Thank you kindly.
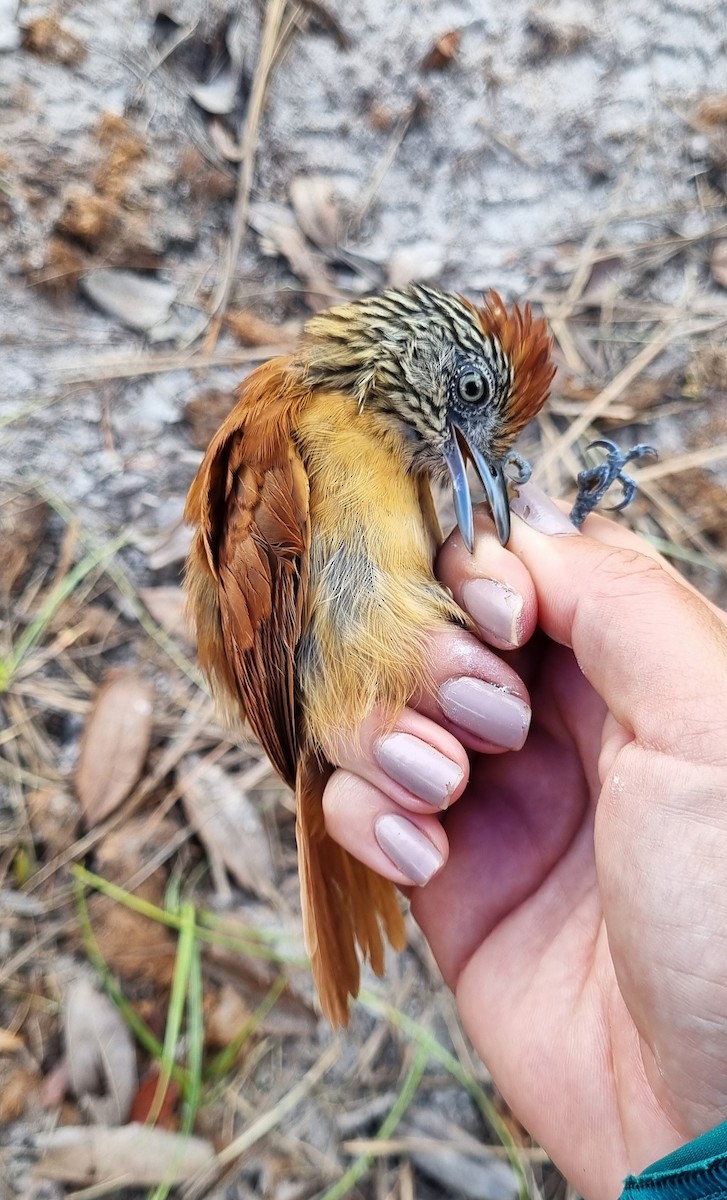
(424, 1145)
(156, 364)
(684, 462)
(199, 1186)
(268, 47)
(600, 403)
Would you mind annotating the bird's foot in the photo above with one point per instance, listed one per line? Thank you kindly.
(516, 468)
(594, 482)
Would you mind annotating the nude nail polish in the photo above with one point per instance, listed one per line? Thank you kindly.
(407, 848)
(487, 711)
(418, 767)
(539, 512)
(496, 608)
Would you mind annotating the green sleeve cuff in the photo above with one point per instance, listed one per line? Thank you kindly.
(697, 1171)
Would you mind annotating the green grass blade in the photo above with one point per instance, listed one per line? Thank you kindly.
(63, 589)
(141, 1031)
(422, 1037)
(361, 1165)
(209, 928)
(177, 1003)
(223, 1061)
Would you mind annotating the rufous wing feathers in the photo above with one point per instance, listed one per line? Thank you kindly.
(247, 574)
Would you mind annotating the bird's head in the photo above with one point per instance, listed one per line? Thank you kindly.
(458, 381)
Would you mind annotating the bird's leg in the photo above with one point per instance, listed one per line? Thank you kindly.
(594, 482)
(517, 469)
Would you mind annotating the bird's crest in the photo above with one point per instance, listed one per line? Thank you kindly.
(527, 345)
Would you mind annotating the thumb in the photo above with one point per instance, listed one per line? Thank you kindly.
(652, 648)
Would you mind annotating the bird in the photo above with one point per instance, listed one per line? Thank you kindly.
(310, 577)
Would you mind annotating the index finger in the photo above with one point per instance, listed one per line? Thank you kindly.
(653, 649)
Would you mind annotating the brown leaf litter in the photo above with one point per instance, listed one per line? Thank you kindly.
(100, 1054)
(115, 744)
(23, 522)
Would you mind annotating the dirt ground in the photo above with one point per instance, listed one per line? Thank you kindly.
(181, 184)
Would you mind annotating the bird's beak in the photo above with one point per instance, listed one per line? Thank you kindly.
(493, 481)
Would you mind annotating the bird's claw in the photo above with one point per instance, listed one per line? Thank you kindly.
(594, 482)
(517, 469)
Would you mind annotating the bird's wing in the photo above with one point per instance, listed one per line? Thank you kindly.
(248, 566)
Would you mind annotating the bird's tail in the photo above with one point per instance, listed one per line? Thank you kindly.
(345, 904)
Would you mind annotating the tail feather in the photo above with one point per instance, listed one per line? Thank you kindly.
(345, 904)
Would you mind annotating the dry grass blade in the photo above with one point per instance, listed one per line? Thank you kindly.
(199, 1187)
(411, 1144)
(268, 49)
(600, 403)
(684, 462)
(313, 199)
(115, 744)
(126, 367)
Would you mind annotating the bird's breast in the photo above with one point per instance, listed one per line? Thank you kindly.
(372, 600)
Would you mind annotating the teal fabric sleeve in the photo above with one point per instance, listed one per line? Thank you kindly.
(697, 1171)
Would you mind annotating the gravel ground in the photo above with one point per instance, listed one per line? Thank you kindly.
(554, 151)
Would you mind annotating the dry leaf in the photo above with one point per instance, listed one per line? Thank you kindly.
(53, 817)
(443, 52)
(133, 1155)
(145, 1102)
(20, 1088)
(228, 824)
(10, 1042)
(23, 521)
(314, 203)
(137, 301)
(718, 263)
(55, 1085)
(254, 331)
(46, 37)
(167, 606)
(711, 111)
(294, 1013)
(170, 546)
(279, 236)
(114, 745)
(226, 1018)
(135, 946)
(205, 413)
(100, 1054)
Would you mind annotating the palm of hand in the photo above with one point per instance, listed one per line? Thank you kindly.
(540, 930)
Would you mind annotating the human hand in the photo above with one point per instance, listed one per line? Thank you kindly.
(577, 896)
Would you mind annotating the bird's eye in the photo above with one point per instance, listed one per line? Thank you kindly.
(471, 386)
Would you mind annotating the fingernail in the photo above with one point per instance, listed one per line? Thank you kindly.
(418, 767)
(407, 848)
(487, 711)
(538, 511)
(497, 609)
